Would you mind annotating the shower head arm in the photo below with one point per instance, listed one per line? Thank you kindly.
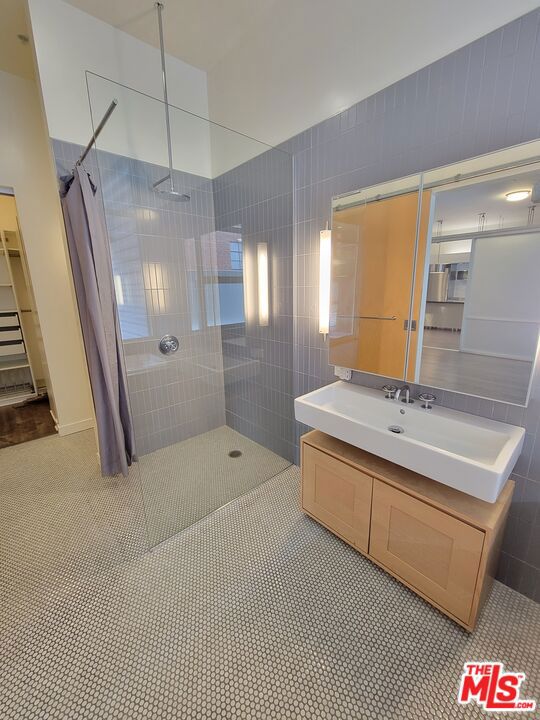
(171, 193)
(159, 8)
(159, 182)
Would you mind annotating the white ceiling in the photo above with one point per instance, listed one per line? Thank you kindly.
(200, 32)
(276, 67)
(459, 208)
(15, 56)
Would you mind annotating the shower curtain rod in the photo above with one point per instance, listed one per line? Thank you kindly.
(97, 131)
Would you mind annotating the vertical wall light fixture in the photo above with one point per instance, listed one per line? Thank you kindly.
(262, 277)
(325, 261)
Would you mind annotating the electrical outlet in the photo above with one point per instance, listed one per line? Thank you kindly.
(342, 373)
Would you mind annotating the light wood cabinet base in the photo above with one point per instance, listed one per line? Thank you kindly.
(439, 542)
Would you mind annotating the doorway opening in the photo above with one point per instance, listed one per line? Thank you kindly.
(25, 412)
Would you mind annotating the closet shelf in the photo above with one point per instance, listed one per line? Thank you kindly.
(13, 364)
(17, 379)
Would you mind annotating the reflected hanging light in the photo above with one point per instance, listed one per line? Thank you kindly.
(517, 195)
(325, 261)
(262, 277)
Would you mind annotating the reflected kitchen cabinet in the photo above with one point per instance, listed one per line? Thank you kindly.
(374, 296)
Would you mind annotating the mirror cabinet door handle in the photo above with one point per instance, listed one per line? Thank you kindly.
(368, 317)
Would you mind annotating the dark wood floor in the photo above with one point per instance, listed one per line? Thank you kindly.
(19, 423)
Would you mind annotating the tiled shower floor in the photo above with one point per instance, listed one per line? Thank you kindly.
(184, 482)
(254, 612)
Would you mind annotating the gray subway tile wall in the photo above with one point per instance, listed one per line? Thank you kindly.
(481, 98)
(254, 201)
(158, 256)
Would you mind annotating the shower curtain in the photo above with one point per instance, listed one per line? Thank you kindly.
(92, 275)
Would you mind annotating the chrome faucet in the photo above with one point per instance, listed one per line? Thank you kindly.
(404, 389)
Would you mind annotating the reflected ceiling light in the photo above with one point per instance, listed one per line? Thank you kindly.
(145, 214)
(262, 276)
(156, 284)
(517, 195)
(325, 258)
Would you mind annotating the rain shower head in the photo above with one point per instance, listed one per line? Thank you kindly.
(173, 194)
(170, 192)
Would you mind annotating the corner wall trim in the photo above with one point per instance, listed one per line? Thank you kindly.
(75, 427)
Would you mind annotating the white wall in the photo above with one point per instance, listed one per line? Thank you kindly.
(69, 42)
(311, 59)
(230, 149)
(26, 165)
(455, 251)
(502, 305)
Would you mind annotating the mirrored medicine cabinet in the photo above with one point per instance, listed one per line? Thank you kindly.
(436, 277)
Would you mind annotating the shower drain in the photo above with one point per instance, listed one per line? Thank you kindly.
(235, 453)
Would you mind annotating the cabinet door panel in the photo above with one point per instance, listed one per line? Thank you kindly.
(338, 495)
(434, 552)
(373, 264)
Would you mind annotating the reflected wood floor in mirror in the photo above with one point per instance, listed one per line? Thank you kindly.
(446, 339)
(497, 378)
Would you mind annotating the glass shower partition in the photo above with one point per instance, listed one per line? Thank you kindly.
(213, 418)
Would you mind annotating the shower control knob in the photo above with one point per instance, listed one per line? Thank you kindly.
(427, 399)
(168, 344)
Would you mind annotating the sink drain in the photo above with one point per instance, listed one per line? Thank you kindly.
(235, 453)
(396, 429)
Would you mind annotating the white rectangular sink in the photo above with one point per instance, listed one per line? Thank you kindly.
(469, 453)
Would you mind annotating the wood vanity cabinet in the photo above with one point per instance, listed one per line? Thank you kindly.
(440, 542)
(339, 495)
